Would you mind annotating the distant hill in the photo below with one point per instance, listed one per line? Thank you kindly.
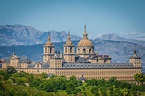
(115, 37)
(27, 35)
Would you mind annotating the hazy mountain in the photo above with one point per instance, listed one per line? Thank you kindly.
(115, 37)
(110, 36)
(18, 35)
(27, 35)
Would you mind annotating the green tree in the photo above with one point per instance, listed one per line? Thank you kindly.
(140, 78)
(11, 70)
(44, 75)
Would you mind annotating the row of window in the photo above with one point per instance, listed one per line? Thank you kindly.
(97, 73)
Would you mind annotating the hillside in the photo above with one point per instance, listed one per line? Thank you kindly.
(27, 35)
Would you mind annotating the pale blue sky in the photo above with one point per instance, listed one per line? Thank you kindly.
(100, 16)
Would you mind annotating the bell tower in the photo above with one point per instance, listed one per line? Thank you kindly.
(135, 60)
(69, 54)
(48, 50)
(14, 59)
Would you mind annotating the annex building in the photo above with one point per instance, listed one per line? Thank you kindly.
(82, 61)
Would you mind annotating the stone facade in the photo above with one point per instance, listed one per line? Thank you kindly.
(82, 62)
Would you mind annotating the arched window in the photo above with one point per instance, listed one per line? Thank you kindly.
(70, 49)
(50, 49)
(89, 50)
(45, 49)
(84, 50)
(78, 50)
(65, 49)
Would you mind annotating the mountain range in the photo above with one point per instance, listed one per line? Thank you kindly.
(27, 35)
(29, 41)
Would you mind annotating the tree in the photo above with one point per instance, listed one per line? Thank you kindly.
(11, 70)
(44, 75)
(140, 78)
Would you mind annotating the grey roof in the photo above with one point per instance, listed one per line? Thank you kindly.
(31, 65)
(22, 59)
(7, 60)
(81, 60)
(95, 65)
(135, 56)
(25, 60)
(45, 65)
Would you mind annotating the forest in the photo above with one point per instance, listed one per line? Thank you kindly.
(13, 83)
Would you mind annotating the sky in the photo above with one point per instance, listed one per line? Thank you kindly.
(123, 17)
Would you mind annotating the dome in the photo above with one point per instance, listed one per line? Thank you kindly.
(68, 42)
(85, 42)
(49, 43)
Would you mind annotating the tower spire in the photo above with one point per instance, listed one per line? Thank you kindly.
(85, 28)
(14, 51)
(48, 37)
(85, 35)
(49, 40)
(68, 35)
(68, 41)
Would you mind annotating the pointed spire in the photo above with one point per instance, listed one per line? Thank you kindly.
(85, 28)
(49, 40)
(14, 51)
(68, 35)
(48, 37)
(134, 51)
(68, 42)
(85, 35)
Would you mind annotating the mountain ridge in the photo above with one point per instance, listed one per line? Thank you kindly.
(27, 35)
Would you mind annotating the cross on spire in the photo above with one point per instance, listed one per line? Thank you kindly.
(48, 37)
(85, 35)
(68, 35)
(85, 28)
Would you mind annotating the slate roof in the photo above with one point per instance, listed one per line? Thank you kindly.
(43, 65)
(25, 60)
(7, 60)
(81, 59)
(31, 65)
(95, 65)
(22, 59)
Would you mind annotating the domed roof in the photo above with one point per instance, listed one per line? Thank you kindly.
(49, 43)
(68, 42)
(85, 42)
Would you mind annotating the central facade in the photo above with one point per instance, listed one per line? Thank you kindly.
(84, 51)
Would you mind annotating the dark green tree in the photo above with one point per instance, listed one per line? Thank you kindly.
(140, 78)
